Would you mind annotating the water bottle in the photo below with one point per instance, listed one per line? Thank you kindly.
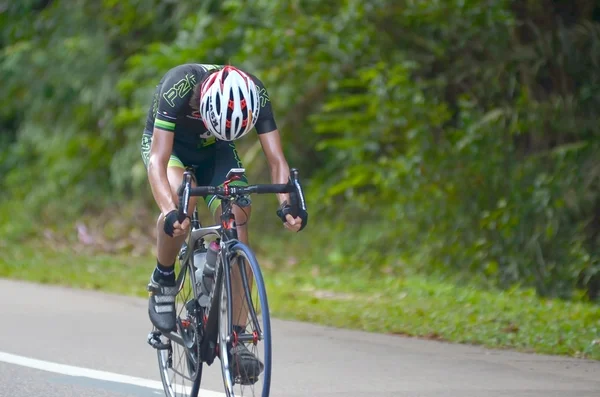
(199, 260)
(206, 273)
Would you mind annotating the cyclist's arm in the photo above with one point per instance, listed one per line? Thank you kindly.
(269, 137)
(280, 170)
(160, 152)
(163, 135)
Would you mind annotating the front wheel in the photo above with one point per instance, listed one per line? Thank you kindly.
(244, 327)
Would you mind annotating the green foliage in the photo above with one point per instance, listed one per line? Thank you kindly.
(460, 135)
(476, 155)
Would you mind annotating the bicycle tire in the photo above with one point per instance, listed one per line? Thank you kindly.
(244, 251)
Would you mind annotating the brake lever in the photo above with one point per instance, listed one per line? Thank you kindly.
(294, 176)
(183, 184)
(183, 192)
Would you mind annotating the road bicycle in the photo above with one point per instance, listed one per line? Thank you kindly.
(205, 301)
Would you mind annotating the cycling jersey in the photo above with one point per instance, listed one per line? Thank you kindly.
(171, 111)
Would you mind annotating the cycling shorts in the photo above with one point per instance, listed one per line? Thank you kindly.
(211, 167)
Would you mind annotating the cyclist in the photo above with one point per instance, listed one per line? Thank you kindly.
(198, 110)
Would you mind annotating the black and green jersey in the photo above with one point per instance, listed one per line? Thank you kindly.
(171, 110)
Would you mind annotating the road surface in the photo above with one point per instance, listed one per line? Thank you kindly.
(63, 342)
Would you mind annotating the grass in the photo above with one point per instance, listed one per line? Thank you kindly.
(433, 309)
(411, 305)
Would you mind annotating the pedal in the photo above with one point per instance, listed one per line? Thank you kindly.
(154, 341)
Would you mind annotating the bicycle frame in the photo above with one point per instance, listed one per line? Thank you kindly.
(226, 234)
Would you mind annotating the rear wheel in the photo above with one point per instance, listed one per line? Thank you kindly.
(180, 365)
(253, 315)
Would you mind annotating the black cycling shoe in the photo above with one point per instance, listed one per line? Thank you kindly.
(245, 366)
(161, 304)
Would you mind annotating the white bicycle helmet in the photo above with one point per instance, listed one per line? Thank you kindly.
(229, 103)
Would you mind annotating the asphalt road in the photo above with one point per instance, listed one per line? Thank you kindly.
(63, 342)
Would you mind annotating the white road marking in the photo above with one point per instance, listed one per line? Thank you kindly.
(90, 373)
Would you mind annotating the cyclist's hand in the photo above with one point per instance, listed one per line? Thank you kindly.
(179, 229)
(172, 225)
(293, 224)
(289, 221)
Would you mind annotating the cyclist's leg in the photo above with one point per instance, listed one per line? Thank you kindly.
(161, 308)
(227, 158)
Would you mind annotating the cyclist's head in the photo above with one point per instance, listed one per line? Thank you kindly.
(229, 103)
